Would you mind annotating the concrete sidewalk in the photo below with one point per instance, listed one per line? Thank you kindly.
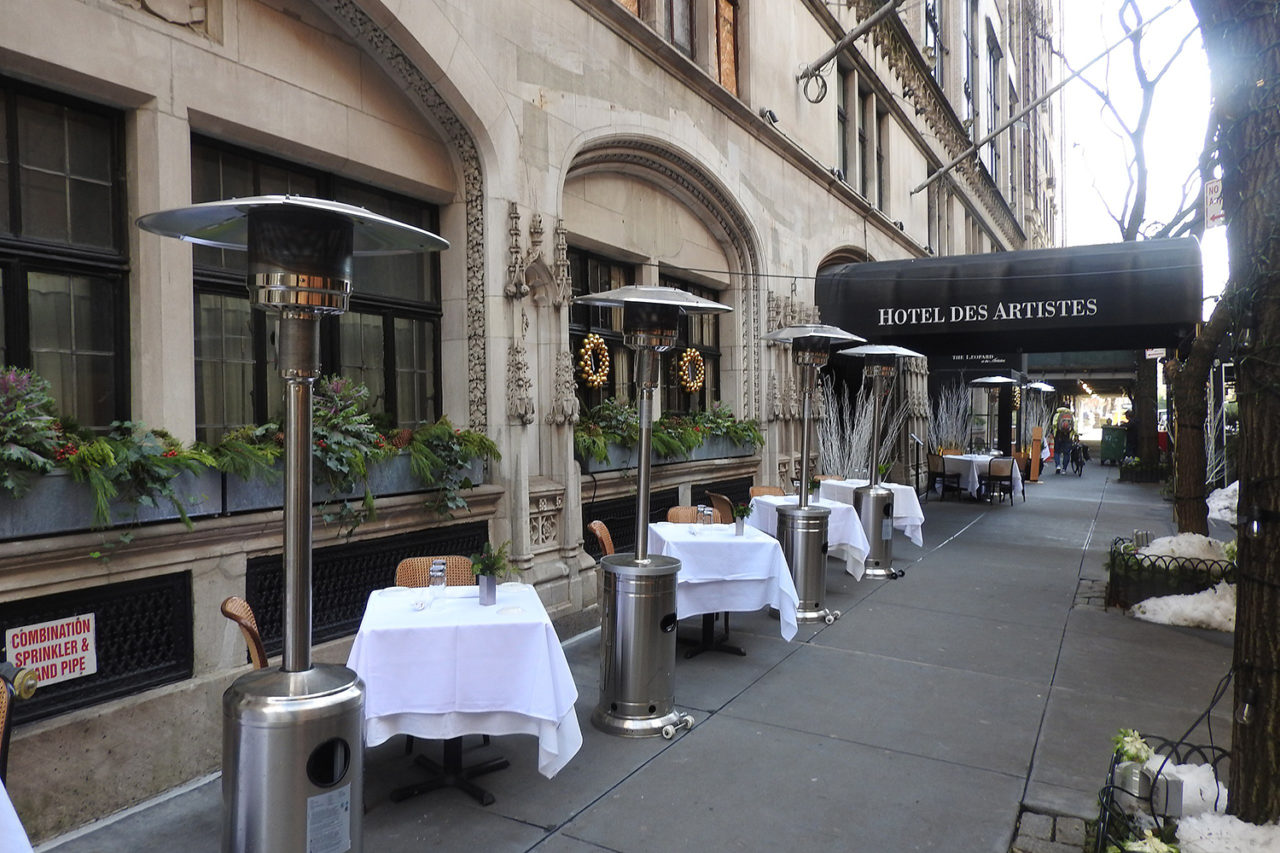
(986, 681)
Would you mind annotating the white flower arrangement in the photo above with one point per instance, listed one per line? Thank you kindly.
(1148, 843)
(1131, 747)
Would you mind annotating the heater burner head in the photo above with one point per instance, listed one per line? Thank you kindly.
(811, 342)
(881, 359)
(650, 315)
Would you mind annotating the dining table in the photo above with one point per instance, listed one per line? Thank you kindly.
(908, 516)
(971, 466)
(436, 664)
(721, 570)
(13, 838)
(845, 537)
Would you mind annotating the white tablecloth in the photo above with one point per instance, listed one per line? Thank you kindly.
(844, 529)
(907, 513)
(970, 465)
(458, 668)
(722, 571)
(13, 838)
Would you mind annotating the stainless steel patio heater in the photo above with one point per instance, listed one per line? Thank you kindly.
(873, 502)
(638, 601)
(802, 529)
(992, 384)
(292, 751)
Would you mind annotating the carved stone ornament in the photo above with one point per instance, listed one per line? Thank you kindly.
(521, 260)
(184, 13)
(784, 472)
(544, 521)
(373, 37)
(790, 400)
(775, 398)
(564, 408)
(519, 387)
(774, 321)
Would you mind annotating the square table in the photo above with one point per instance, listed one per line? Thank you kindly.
(13, 838)
(721, 571)
(907, 513)
(844, 529)
(970, 465)
(456, 668)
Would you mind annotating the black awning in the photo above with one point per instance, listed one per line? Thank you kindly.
(1111, 296)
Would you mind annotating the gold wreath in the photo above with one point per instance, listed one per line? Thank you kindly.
(593, 361)
(691, 371)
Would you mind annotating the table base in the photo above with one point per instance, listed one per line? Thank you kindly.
(451, 774)
(709, 643)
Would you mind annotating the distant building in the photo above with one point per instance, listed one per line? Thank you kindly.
(562, 147)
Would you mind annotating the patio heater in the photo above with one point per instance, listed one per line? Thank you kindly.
(802, 529)
(992, 384)
(292, 751)
(873, 502)
(638, 599)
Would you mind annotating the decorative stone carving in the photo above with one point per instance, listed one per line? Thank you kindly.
(521, 262)
(563, 283)
(784, 472)
(790, 400)
(184, 13)
(519, 387)
(775, 398)
(544, 521)
(564, 407)
(774, 321)
(349, 15)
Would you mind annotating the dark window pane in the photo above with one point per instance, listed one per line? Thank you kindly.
(89, 148)
(682, 25)
(72, 337)
(41, 135)
(91, 221)
(362, 359)
(44, 205)
(415, 371)
(5, 227)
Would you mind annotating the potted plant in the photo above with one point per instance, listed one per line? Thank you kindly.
(740, 513)
(1131, 753)
(488, 566)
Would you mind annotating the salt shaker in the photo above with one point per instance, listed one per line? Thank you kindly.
(437, 576)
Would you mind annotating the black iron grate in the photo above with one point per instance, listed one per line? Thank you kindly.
(143, 639)
(343, 576)
(1133, 577)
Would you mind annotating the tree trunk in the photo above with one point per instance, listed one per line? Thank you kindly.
(1190, 410)
(1240, 38)
(1143, 419)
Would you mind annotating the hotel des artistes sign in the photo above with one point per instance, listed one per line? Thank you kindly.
(1079, 298)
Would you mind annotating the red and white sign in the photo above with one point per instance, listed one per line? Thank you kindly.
(58, 651)
(1214, 215)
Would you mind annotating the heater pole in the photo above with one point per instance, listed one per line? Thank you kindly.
(808, 376)
(647, 359)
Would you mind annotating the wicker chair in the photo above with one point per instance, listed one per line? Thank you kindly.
(683, 514)
(6, 714)
(601, 530)
(238, 611)
(939, 476)
(723, 507)
(821, 477)
(757, 491)
(998, 481)
(416, 571)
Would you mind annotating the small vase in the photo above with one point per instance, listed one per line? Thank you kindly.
(738, 525)
(488, 589)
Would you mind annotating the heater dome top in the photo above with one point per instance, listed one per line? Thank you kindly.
(1041, 386)
(657, 296)
(880, 350)
(993, 381)
(225, 224)
(835, 334)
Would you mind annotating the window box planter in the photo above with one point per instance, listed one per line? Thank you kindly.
(387, 477)
(622, 458)
(56, 503)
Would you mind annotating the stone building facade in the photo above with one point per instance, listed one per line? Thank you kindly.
(560, 146)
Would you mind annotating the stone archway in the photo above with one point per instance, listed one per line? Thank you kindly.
(678, 175)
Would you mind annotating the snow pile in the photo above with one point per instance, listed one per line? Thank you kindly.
(1211, 608)
(1222, 503)
(1201, 790)
(1219, 833)
(1192, 545)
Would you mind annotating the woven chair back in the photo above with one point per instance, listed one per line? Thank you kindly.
(238, 611)
(416, 571)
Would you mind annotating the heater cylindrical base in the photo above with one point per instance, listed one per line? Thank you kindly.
(293, 761)
(874, 505)
(802, 533)
(637, 647)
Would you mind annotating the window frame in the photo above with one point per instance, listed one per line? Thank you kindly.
(22, 256)
(230, 281)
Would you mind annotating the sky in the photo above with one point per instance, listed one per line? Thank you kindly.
(1096, 162)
